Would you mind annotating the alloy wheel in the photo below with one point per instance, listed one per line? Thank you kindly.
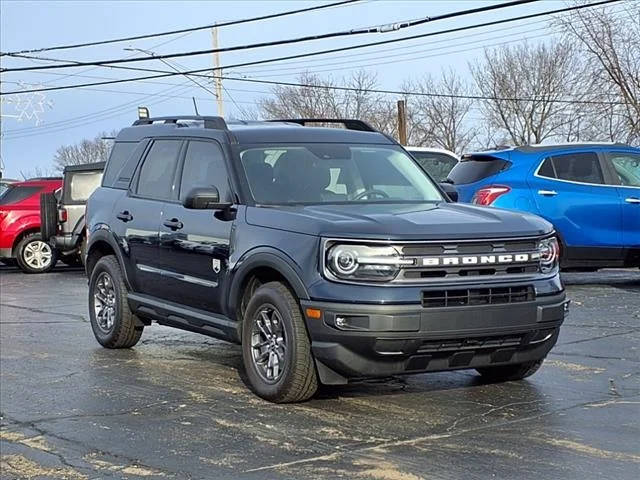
(104, 302)
(268, 343)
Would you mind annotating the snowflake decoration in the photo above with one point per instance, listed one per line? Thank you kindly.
(28, 106)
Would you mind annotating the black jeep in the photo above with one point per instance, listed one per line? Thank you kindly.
(326, 252)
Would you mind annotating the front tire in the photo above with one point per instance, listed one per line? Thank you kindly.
(114, 324)
(34, 255)
(508, 373)
(275, 346)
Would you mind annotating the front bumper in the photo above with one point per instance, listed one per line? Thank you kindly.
(382, 340)
(6, 252)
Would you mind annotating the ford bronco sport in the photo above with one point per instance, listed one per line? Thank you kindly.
(327, 253)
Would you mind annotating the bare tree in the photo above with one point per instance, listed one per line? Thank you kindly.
(37, 172)
(610, 42)
(439, 118)
(523, 85)
(323, 101)
(86, 151)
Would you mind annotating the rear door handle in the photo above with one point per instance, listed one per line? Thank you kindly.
(173, 224)
(632, 200)
(547, 193)
(124, 216)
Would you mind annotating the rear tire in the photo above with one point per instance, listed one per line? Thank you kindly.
(33, 255)
(508, 373)
(275, 346)
(114, 324)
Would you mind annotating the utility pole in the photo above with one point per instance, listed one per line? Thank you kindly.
(217, 72)
(402, 122)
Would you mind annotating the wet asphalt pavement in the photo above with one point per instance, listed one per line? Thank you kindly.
(175, 406)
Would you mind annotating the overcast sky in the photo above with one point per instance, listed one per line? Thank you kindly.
(87, 112)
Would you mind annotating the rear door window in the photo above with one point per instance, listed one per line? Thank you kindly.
(581, 167)
(18, 193)
(156, 178)
(120, 153)
(476, 167)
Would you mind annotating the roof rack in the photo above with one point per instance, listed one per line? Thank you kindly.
(216, 123)
(349, 124)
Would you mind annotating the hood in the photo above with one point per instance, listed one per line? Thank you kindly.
(400, 221)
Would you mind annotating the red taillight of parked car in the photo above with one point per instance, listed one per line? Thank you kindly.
(62, 215)
(488, 195)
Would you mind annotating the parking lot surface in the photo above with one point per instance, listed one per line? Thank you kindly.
(175, 406)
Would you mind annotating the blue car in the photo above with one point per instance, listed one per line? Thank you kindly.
(589, 192)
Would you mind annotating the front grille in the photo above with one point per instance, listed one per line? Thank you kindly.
(520, 257)
(476, 296)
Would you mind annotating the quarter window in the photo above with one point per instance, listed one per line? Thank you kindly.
(204, 167)
(627, 168)
(120, 152)
(158, 170)
(573, 167)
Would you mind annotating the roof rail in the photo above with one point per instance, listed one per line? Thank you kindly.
(216, 123)
(349, 124)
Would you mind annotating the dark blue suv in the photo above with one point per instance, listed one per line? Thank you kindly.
(589, 192)
(326, 252)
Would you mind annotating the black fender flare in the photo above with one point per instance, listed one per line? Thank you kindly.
(264, 257)
(78, 230)
(106, 235)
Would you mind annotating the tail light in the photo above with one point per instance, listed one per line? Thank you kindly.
(62, 215)
(488, 195)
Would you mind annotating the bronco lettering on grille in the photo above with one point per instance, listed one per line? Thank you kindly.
(479, 259)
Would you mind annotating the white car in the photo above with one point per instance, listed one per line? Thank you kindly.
(437, 162)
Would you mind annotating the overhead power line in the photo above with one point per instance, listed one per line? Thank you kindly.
(361, 31)
(183, 30)
(163, 73)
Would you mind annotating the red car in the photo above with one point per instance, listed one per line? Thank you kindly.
(20, 237)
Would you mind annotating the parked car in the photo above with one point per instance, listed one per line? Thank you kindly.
(589, 192)
(62, 213)
(327, 253)
(437, 162)
(20, 238)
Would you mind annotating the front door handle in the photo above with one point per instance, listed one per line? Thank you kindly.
(547, 193)
(632, 200)
(174, 224)
(124, 216)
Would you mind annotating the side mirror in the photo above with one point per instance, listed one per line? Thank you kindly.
(204, 199)
(450, 190)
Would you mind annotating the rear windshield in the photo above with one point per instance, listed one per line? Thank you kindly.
(436, 164)
(474, 168)
(17, 193)
(79, 186)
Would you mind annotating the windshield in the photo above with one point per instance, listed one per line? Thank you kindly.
(335, 173)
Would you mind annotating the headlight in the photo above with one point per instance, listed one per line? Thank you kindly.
(549, 252)
(363, 263)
